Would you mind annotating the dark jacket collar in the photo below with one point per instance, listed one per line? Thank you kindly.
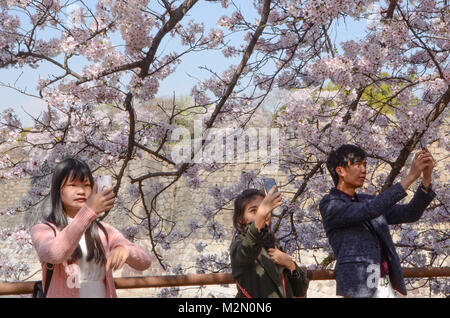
(345, 196)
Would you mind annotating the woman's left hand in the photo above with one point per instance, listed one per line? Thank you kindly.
(117, 258)
(281, 258)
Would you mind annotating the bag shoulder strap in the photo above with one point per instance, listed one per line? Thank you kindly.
(47, 223)
(249, 296)
(48, 278)
(49, 268)
(243, 290)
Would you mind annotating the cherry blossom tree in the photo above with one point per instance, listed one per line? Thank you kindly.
(383, 92)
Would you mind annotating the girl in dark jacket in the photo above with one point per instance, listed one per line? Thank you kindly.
(261, 269)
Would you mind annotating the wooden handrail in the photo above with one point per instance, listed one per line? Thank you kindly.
(18, 288)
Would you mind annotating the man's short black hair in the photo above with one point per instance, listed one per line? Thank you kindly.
(340, 158)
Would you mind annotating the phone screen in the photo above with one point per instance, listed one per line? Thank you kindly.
(423, 144)
(269, 183)
(104, 182)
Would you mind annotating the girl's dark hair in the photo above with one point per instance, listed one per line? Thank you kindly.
(340, 158)
(76, 170)
(239, 203)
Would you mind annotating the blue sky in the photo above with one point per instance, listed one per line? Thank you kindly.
(179, 82)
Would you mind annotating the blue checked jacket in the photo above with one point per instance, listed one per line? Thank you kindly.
(356, 246)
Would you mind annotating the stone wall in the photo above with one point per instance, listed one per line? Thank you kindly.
(178, 201)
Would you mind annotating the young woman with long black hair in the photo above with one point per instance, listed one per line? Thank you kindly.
(82, 250)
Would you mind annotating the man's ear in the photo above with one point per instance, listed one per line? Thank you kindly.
(340, 171)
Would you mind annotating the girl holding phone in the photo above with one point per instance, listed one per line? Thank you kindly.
(82, 250)
(260, 268)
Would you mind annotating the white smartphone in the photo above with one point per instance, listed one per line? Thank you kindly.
(103, 182)
(269, 183)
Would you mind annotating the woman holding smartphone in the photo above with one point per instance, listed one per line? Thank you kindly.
(82, 250)
(261, 269)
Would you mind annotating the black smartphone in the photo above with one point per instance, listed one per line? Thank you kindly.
(269, 183)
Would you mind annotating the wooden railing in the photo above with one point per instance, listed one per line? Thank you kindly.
(18, 288)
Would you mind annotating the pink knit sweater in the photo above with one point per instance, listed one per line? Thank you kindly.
(57, 250)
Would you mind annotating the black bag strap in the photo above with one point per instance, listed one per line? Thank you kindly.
(49, 269)
(48, 278)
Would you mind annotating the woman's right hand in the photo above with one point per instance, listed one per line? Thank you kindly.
(271, 202)
(101, 202)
